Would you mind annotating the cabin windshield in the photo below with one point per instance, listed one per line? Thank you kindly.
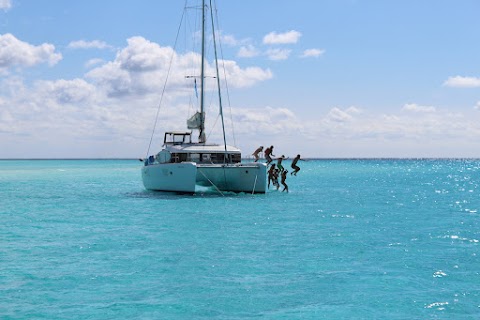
(177, 138)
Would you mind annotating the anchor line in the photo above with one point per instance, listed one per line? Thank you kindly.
(213, 184)
(255, 184)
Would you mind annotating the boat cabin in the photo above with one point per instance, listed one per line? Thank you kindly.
(178, 147)
(204, 157)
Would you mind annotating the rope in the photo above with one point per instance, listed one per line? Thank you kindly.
(255, 184)
(211, 130)
(213, 184)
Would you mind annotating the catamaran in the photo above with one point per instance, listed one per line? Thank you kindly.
(182, 165)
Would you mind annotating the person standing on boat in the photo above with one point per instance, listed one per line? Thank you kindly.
(284, 177)
(294, 165)
(269, 154)
(255, 154)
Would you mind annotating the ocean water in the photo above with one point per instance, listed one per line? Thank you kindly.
(354, 239)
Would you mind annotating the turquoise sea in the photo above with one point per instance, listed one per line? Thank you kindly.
(354, 239)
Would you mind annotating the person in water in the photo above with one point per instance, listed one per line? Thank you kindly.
(256, 152)
(284, 177)
(276, 172)
(271, 175)
(269, 154)
(294, 165)
(279, 163)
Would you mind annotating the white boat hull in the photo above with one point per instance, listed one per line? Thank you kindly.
(179, 177)
(183, 177)
(248, 177)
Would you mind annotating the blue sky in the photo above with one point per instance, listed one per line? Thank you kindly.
(326, 78)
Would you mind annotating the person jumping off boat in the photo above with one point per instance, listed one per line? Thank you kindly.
(284, 177)
(279, 163)
(294, 165)
(256, 152)
(269, 154)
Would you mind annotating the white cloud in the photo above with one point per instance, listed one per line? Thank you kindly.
(143, 55)
(248, 51)
(137, 69)
(141, 67)
(75, 118)
(5, 4)
(109, 113)
(229, 40)
(14, 52)
(76, 91)
(68, 118)
(477, 106)
(404, 134)
(312, 53)
(278, 54)
(251, 124)
(353, 110)
(340, 116)
(462, 82)
(82, 44)
(93, 62)
(413, 107)
(240, 78)
(291, 36)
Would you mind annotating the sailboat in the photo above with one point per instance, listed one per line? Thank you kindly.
(182, 165)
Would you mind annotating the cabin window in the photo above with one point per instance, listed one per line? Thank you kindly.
(220, 158)
(178, 157)
(175, 158)
(217, 157)
(195, 157)
(178, 139)
(236, 157)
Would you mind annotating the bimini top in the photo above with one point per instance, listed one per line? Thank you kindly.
(177, 137)
(181, 142)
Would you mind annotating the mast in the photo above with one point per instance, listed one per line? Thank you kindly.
(201, 137)
(218, 78)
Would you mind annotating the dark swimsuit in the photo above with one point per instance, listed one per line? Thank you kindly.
(295, 167)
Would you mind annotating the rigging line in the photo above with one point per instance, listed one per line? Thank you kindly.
(225, 78)
(166, 80)
(219, 94)
(193, 66)
(191, 106)
(211, 130)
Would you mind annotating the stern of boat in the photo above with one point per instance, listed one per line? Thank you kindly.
(240, 177)
(178, 177)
